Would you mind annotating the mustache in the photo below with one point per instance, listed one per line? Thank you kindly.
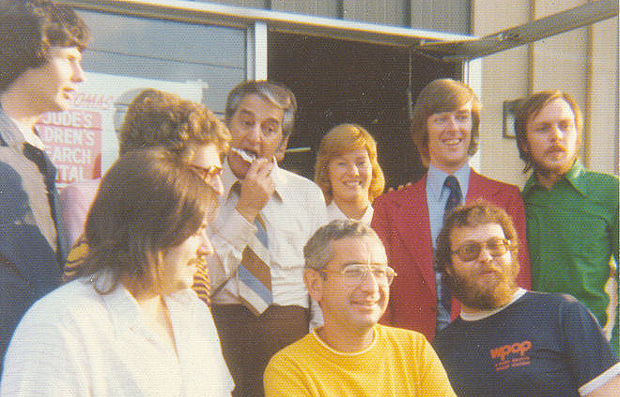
(556, 148)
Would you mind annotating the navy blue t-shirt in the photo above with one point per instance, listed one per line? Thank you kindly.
(540, 345)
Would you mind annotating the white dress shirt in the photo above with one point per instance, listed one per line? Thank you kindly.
(77, 342)
(334, 212)
(294, 212)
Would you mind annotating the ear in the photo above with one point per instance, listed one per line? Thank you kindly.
(523, 145)
(282, 148)
(314, 283)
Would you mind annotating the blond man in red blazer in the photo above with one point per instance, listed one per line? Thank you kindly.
(445, 130)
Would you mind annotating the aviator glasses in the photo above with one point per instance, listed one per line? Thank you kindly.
(471, 251)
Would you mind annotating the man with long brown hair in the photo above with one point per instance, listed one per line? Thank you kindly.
(572, 212)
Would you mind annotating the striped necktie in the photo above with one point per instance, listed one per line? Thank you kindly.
(254, 273)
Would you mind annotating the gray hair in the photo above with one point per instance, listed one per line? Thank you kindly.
(317, 251)
(277, 94)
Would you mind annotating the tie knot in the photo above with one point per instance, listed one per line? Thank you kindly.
(451, 182)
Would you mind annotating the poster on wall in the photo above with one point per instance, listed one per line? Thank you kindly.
(82, 141)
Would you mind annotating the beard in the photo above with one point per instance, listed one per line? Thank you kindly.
(479, 295)
(543, 169)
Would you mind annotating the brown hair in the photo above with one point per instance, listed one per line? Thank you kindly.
(147, 202)
(530, 108)
(158, 118)
(471, 215)
(29, 28)
(340, 140)
(443, 95)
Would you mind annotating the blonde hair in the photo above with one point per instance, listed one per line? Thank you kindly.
(340, 140)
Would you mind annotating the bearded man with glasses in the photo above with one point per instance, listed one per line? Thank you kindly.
(508, 341)
(346, 272)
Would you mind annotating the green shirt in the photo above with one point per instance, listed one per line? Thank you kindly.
(573, 238)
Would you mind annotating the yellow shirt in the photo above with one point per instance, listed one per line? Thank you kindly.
(399, 362)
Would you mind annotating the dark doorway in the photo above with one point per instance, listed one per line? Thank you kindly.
(338, 81)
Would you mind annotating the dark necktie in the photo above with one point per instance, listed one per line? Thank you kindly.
(454, 199)
(48, 170)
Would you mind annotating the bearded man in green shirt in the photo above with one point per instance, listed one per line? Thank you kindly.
(572, 213)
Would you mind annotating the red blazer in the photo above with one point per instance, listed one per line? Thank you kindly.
(401, 221)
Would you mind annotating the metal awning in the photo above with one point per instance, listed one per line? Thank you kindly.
(241, 17)
(539, 29)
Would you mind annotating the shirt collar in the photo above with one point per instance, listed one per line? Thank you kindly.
(573, 176)
(335, 212)
(346, 354)
(16, 134)
(123, 307)
(488, 313)
(435, 179)
(125, 310)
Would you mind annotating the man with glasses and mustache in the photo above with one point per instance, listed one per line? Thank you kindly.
(508, 341)
(346, 271)
(155, 118)
(572, 213)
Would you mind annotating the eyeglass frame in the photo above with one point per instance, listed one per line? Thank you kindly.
(389, 273)
(507, 244)
(207, 174)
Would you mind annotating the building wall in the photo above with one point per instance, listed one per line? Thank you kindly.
(439, 15)
(583, 62)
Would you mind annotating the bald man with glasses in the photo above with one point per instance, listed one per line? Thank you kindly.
(346, 272)
(508, 341)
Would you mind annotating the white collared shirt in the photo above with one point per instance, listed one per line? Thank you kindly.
(294, 212)
(334, 212)
(77, 342)
(29, 135)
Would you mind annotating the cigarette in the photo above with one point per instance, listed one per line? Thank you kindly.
(246, 156)
(250, 157)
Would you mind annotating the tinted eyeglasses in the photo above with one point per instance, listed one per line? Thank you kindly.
(471, 251)
(354, 274)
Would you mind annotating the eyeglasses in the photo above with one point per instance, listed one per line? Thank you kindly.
(207, 174)
(471, 251)
(354, 274)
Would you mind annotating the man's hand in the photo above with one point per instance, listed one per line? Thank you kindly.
(256, 189)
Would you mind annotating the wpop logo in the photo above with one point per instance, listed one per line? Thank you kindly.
(512, 355)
